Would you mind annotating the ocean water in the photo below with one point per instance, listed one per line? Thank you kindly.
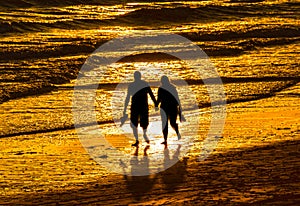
(254, 46)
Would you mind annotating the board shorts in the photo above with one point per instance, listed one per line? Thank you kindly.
(141, 116)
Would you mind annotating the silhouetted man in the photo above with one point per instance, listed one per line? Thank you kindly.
(170, 107)
(139, 110)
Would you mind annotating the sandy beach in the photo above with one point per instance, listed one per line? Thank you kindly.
(256, 162)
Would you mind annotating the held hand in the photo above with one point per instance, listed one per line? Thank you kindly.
(182, 118)
(156, 106)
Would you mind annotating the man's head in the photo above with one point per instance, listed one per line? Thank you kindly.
(137, 75)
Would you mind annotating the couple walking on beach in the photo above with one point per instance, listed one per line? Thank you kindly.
(169, 102)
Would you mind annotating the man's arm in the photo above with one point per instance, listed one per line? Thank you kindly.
(181, 117)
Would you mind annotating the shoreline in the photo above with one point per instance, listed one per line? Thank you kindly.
(255, 162)
(67, 92)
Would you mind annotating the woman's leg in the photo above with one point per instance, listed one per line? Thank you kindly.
(164, 123)
(174, 125)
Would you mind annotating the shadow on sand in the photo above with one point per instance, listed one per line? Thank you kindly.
(262, 175)
(173, 176)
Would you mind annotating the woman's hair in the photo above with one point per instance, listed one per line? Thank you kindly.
(165, 80)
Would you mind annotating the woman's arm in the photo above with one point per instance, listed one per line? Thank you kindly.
(181, 117)
(158, 99)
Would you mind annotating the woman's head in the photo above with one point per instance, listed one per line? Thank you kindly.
(165, 80)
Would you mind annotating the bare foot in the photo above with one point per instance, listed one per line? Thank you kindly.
(136, 144)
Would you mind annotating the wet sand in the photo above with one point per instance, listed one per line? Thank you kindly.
(256, 162)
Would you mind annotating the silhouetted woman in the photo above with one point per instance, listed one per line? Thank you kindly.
(170, 107)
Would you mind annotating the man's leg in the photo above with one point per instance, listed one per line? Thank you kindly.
(134, 123)
(135, 133)
(144, 121)
(145, 135)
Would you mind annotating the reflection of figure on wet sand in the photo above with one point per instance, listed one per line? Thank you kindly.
(170, 107)
(140, 185)
(167, 161)
(139, 90)
(139, 167)
(175, 175)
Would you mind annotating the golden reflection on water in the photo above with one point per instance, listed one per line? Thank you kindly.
(272, 61)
